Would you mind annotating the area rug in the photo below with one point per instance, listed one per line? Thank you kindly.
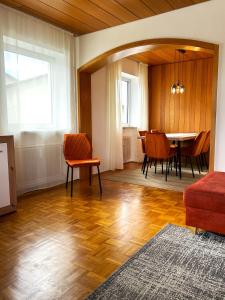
(175, 264)
(157, 180)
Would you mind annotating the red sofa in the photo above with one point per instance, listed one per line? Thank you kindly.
(205, 203)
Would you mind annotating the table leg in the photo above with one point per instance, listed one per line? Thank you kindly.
(179, 157)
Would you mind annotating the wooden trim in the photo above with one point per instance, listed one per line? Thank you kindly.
(84, 90)
(84, 108)
(85, 124)
(214, 106)
(9, 140)
(143, 46)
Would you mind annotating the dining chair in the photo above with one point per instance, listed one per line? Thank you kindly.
(205, 150)
(194, 151)
(78, 153)
(155, 131)
(142, 133)
(158, 149)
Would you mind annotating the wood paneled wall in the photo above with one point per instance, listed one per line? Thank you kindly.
(189, 112)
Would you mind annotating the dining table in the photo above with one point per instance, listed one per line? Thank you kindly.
(177, 138)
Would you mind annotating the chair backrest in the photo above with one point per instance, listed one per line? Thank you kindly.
(206, 144)
(198, 143)
(143, 133)
(155, 131)
(77, 146)
(157, 145)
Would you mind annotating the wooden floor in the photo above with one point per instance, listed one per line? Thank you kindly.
(58, 248)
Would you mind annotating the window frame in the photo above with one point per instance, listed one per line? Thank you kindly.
(128, 80)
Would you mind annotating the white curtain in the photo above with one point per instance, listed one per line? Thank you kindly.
(37, 99)
(143, 97)
(114, 142)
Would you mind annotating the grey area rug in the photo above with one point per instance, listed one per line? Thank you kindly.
(175, 264)
(156, 180)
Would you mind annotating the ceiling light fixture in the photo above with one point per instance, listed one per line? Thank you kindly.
(178, 86)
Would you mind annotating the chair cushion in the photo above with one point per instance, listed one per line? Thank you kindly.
(208, 193)
(82, 163)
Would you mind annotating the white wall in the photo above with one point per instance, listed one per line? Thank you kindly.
(204, 22)
(130, 67)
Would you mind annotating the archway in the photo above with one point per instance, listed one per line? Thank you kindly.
(85, 71)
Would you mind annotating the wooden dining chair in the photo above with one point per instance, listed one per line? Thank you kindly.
(78, 153)
(194, 151)
(158, 149)
(205, 150)
(142, 133)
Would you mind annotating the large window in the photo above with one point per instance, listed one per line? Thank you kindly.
(36, 87)
(28, 90)
(125, 100)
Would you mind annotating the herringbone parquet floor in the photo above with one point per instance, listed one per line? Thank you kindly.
(58, 248)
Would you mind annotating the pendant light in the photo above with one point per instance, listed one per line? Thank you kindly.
(178, 86)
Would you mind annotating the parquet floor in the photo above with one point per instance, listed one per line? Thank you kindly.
(58, 248)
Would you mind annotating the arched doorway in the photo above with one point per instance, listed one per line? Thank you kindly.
(85, 71)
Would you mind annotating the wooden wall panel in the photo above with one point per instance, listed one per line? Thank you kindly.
(181, 113)
(85, 16)
(84, 87)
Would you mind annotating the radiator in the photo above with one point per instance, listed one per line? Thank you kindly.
(126, 149)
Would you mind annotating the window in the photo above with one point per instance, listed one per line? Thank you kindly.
(28, 90)
(37, 87)
(125, 100)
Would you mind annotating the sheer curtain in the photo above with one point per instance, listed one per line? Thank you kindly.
(37, 99)
(114, 142)
(143, 96)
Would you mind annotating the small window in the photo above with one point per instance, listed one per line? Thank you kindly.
(125, 101)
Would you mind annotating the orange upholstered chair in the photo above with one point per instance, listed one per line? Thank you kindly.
(194, 151)
(158, 148)
(78, 153)
(205, 149)
(142, 134)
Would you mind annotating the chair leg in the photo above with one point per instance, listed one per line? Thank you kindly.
(167, 167)
(150, 162)
(144, 164)
(162, 166)
(206, 163)
(147, 165)
(155, 166)
(193, 174)
(203, 161)
(90, 175)
(71, 183)
(99, 180)
(196, 159)
(67, 176)
(175, 158)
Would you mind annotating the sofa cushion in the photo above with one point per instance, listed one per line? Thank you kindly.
(208, 193)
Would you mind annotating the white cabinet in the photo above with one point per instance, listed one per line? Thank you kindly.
(4, 176)
(8, 198)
